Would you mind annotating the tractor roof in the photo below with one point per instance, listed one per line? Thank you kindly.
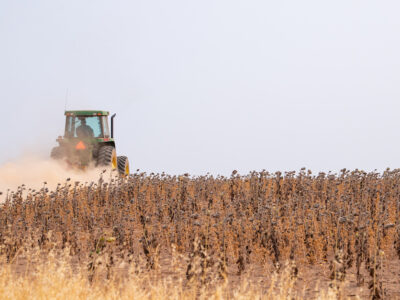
(86, 113)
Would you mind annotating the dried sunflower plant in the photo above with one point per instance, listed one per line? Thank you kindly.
(262, 235)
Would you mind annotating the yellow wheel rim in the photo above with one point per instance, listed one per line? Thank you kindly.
(127, 169)
(114, 162)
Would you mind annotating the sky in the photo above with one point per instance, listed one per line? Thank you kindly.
(208, 86)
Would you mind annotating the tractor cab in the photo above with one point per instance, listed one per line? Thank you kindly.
(87, 124)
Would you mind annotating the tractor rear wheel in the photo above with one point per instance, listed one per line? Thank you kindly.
(107, 157)
(123, 165)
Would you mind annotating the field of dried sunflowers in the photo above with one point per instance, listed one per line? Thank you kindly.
(262, 235)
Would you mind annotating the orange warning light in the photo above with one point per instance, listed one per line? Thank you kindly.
(80, 146)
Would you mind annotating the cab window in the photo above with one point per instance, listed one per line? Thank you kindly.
(106, 130)
(84, 127)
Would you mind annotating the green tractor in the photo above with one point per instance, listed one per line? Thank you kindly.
(88, 141)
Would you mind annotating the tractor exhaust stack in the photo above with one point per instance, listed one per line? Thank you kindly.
(112, 125)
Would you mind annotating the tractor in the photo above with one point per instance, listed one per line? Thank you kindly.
(88, 141)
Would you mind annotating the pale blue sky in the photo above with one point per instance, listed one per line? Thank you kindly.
(208, 86)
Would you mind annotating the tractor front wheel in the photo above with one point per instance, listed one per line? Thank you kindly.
(107, 157)
(123, 165)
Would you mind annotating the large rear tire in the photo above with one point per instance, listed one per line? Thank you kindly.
(107, 157)
(123, 165)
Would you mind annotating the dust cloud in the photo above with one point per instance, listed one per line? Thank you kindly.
(33, 171)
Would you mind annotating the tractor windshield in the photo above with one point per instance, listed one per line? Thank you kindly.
(84, 127)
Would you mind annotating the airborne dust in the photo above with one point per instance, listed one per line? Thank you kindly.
(33, 171)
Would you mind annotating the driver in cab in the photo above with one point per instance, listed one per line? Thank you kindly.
(83, 130)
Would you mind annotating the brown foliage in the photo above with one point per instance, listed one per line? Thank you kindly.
(221, 223)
